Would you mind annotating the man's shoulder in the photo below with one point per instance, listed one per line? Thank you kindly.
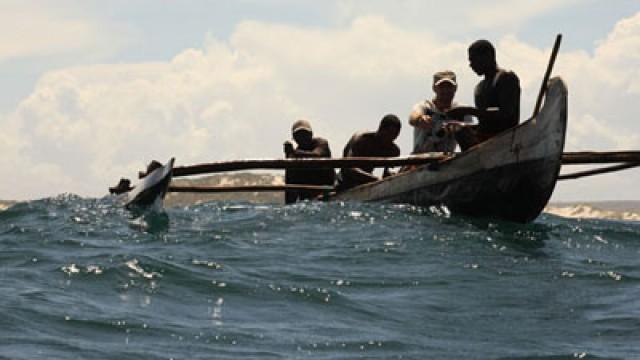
(364, 135)
(424, 104)
(508, 76)
(320, 141)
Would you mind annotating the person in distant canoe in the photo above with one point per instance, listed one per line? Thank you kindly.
(430, 130)
(497, 98)
(378, 143)
(307, 147)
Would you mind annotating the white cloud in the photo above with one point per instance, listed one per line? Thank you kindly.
(453, 16)
(84, 127)
(36, 30)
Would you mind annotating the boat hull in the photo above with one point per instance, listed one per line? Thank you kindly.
(152, 189)
(511, 176)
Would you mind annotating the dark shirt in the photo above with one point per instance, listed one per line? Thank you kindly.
(363, 145)
(502, 92)
(319, 149)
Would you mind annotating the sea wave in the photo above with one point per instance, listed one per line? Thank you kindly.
(84, 278)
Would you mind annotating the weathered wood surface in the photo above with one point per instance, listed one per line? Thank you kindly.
(236, 165)
(510, 176)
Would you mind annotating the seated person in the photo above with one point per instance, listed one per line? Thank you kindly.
(307, 147)
(430, 133)
(497, 98)
(373, 143)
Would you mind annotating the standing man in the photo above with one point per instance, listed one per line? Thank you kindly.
(373, 143)
(430, 133)
(307, 147)
(497, 97)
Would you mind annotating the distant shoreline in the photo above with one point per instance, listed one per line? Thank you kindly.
(616, 210)
(5, 204)
(610, 205)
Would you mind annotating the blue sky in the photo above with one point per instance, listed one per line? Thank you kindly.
(80, 78)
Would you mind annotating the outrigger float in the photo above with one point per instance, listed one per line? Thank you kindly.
(510, 176)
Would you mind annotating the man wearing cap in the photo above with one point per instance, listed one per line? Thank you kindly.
(430, 133)
(497, 97)
(307, 147)
(373, 143)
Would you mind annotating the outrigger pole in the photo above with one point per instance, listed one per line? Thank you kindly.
(247, 188)
(347, 162)
(569, 158)
(623, 159)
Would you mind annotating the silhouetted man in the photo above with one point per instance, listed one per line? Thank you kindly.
(497, 98)
(307, 147)
(373, 143)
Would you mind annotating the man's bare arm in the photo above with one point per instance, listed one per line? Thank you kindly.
(320, 151)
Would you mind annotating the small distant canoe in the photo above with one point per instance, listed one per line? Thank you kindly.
(511, 176)
(151, 189)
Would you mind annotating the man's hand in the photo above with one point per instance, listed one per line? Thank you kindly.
(460, 112)
(424, 122)
(451, 127)
(288, 148)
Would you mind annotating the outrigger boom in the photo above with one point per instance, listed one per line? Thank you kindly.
(623, 159)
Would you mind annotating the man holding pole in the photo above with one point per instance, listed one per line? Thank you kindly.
(431, 133)
(497, 98)
(307, 147)
(378, 143)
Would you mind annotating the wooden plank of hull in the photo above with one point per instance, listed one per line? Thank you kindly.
(511, 176)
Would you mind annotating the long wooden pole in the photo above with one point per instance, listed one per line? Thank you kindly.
(247, 188)
(223, 166)
(547, 74)
(569, 158)
(594, 157)
(604, 170)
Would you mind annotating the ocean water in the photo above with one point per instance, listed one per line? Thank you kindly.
(85, 279)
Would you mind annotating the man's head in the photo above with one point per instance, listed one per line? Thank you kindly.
(482, 57)
(445, 85)
(389, 128)
(302, 133)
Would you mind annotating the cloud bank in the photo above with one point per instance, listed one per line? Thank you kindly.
(84, 127)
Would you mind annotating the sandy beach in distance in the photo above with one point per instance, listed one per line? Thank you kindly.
(4, 205)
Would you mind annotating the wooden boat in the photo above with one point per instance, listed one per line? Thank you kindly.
(511, 176)
(151, 190)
